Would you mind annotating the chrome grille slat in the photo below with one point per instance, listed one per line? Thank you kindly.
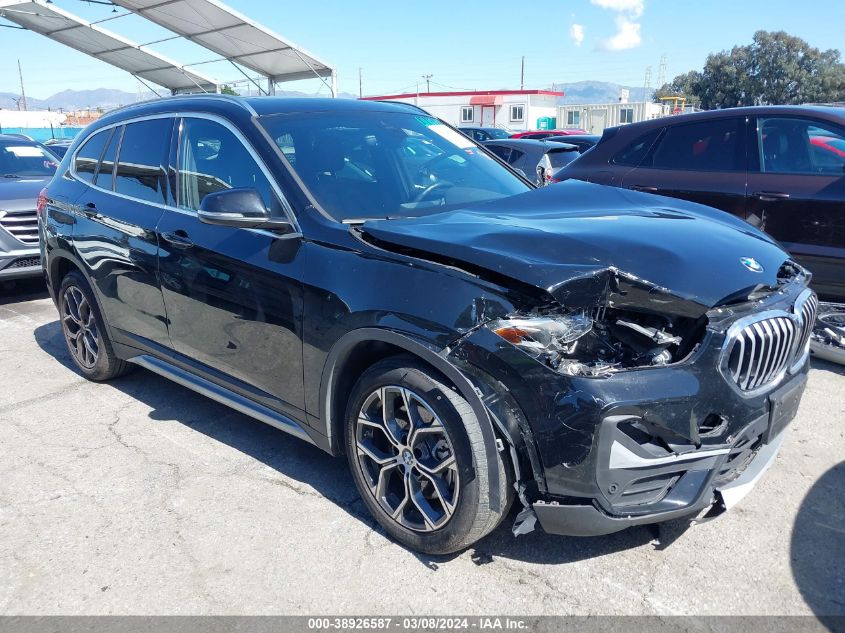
(759, 349)
(23, 225)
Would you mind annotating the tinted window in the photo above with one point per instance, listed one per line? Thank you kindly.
(560, 159)
(515, 156)
(105, 175)
(89, 155)
(140, 170)
(707, 146)
(801, 146)
(362, 164)
(635, 151)
(500, 151)
(212, 158)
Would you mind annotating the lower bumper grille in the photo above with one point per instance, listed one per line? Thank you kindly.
(25, 262)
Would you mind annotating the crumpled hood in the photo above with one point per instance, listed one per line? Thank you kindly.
(553, 236)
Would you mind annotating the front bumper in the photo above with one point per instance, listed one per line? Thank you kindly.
(639, 446)
(708, 481)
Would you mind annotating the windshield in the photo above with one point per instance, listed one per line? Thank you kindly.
(19, 159)
(370, 164)
(561, 159)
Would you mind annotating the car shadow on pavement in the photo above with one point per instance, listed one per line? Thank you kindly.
(824, 365)
(817, 549)
(329, 476)
(23, 290)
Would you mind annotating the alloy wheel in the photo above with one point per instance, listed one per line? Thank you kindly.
(80, 327)
(407, 459)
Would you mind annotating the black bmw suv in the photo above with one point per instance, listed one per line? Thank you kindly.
(367, 278)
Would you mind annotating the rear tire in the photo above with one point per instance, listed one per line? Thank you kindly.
(84, 331)
(426, 483)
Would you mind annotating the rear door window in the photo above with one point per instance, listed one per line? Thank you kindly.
(707, 146)
(800, 146)
(143, 153)
(88, 156)
(105, 174)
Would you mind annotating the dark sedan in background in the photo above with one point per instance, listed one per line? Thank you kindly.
(538, 160)
(582, 141)
(482, 134)
(781, 168)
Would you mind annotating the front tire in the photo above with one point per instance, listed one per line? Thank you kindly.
(85, 333)
(417, 456)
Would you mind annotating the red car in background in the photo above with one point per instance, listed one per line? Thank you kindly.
(541, 134)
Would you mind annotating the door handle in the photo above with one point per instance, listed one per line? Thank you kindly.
(90, 210)
(771, 196)
(178, 239)
(644, 188)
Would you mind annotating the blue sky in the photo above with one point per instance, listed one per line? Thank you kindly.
(468, 45)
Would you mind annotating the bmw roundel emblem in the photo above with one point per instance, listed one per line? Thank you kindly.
(751, 264)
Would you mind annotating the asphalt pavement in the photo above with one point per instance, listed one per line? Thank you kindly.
(141, 497)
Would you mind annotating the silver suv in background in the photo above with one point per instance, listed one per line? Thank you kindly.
(25, 169)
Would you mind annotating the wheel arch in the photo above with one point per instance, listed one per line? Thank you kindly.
(362, 347)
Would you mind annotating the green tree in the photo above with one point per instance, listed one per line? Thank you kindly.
(686, 85)
(227, 90)
(775, 69)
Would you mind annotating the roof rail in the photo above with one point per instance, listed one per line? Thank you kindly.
(241, 101)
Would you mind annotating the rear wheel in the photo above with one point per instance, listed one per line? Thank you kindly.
(418, 459)
(84, 331)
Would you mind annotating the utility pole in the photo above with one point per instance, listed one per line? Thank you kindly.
(427, 82)
(360, 84)
(23, 94)
(661, 73)
(522, 75)
(647, 83)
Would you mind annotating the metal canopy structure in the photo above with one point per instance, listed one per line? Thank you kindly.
(146, 65)
(234, 37)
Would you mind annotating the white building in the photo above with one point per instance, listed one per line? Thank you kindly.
(516, 110)
(30, 118)
(595, 117)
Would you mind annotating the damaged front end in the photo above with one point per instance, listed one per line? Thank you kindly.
(629, 396)
(613, 321)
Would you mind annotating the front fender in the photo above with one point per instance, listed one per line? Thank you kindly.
(332, 421)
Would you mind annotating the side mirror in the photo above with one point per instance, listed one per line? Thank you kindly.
(241, 207)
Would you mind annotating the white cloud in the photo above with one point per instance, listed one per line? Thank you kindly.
(576, 32)
(627, 35)
(634, 7)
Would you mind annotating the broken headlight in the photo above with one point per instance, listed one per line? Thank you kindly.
(601, 342)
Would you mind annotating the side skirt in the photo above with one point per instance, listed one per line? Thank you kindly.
(221, 395)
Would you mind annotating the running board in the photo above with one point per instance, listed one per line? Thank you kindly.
(222, 395)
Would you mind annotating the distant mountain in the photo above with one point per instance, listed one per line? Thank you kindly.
(107, 99)
(597, 92)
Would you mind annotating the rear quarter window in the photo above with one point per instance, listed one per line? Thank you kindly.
(634, 153)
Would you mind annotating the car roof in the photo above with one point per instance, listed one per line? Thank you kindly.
(16, 138)
(253, 106)
(825, 111)
(522, 142)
